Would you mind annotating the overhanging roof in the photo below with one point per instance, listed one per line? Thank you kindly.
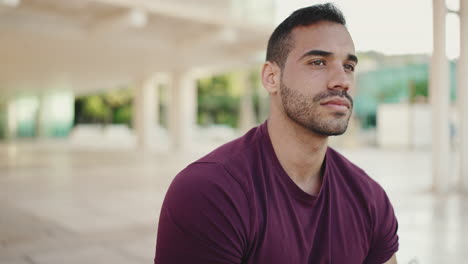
(97, 44)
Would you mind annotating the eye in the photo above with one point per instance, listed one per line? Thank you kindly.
(317, 62)
(349, 67)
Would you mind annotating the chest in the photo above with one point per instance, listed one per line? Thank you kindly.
(329, 231)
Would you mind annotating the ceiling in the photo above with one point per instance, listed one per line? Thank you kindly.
(99, 44)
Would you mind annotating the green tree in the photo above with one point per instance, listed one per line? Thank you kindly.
(110, 107)
(96, 110)
(217, 102)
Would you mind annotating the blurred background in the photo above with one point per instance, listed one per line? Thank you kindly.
(102, 102)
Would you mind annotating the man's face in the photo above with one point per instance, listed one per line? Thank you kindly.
(316, 77)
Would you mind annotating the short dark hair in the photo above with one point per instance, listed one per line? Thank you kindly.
(281, 42)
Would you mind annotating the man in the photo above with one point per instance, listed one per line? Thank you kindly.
(279, 194)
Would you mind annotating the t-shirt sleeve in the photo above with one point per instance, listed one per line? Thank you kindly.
(204, 218)
(384, 241)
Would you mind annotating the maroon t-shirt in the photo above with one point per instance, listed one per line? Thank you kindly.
(238, 205)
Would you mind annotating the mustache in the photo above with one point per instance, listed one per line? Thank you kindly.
(334, 93)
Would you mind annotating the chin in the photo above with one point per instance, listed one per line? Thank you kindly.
(322, 124)
(329, 129)
(337, 133)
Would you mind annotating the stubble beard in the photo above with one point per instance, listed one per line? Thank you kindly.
(304, 111)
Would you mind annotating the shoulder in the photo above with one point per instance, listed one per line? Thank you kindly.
(219, 171)
(366, 191)
(231, 151)
(205, 212)
(360, 188)
(202, 180)
(204, 192)
(238, 158)
(354, 176)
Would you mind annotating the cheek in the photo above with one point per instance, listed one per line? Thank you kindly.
(307, 81)
(352, 91)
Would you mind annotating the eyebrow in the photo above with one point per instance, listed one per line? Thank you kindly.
(323, 53)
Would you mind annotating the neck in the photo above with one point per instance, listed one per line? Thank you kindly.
(300, 152)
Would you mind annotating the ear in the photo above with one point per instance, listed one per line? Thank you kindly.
(271, 74)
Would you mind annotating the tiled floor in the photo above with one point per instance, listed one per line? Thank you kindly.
(61, 204)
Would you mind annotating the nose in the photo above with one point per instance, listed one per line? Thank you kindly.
(339, 79)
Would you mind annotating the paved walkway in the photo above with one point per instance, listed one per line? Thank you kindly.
(71, 205)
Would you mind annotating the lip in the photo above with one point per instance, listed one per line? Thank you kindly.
(337, 101)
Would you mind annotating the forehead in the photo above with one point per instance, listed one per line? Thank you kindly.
(324, 35)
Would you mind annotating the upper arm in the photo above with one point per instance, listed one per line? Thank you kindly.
(204, 218)
(384, 242)
(392, 260)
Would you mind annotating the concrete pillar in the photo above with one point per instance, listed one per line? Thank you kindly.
(11, 120)
(463, 94)
(3, 119)
(145, 112)
(182, 109)
(247, 118)
(41, 118)
(440, 101)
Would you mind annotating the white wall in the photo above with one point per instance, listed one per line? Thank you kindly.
(404, 125)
